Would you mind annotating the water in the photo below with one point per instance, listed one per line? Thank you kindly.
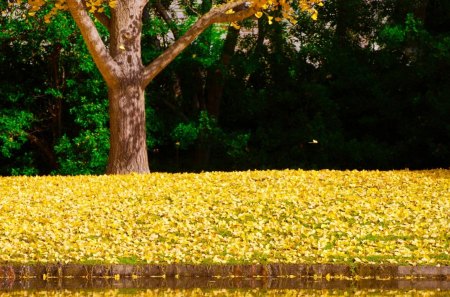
(221, 287)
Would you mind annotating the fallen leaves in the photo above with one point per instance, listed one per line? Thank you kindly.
(289, 216)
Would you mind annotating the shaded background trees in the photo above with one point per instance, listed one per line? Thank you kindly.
(369, 81)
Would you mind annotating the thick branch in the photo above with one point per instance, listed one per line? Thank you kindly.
(100, 16)
(243, 10)
(215, 15)
(103, 19)
(162, 11)
(105, 64)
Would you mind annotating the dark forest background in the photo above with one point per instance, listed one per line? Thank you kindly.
(366, 86)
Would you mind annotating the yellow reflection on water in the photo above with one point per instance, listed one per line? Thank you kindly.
(226, 292)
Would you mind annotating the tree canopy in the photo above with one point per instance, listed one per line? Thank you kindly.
(364, 86)
(120, 63)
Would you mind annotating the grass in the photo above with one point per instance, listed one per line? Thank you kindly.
(289, 216)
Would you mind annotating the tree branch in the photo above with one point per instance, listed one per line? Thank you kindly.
(164, 14)
(105, 63)
(103, 19)
(243, 9)
(216, 15)
(100, 16)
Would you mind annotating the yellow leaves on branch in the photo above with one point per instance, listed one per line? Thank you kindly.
(94, 6)
(57, 5)
(309, 6)
(235, 25)
(288, 13)
(285, 6)
(268, 6)
(289, 216)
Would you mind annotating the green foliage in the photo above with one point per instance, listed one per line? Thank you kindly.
(392, 35)
(205, 131)
(28, 165)
(55, 109)
(13, 130)
(207, 126)
(85, 150)
(237, 146)
(86, 153)
(185, 134)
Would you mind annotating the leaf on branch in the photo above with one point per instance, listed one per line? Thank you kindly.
(235, 25)
(113, 4)
(314, 15)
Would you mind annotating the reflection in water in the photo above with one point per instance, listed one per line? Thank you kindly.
(221, 287)
(226, 292)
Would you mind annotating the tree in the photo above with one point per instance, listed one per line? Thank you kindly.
(120, 64)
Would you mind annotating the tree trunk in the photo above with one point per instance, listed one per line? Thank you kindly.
(128, 148)
(343, 17)
(128, 151)
(215, 84)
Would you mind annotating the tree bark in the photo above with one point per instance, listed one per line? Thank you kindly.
(128, 147)
(128, 151)
(216, 78)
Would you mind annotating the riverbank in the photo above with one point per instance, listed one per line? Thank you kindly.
(314, 271)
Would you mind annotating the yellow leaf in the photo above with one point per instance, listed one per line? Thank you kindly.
(113, 4)
(230, 11)
(258, 14)
(235, 25)
(314, 15)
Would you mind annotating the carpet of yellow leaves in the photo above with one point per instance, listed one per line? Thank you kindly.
(289, 216)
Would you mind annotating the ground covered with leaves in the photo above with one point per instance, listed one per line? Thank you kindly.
(289, 216)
